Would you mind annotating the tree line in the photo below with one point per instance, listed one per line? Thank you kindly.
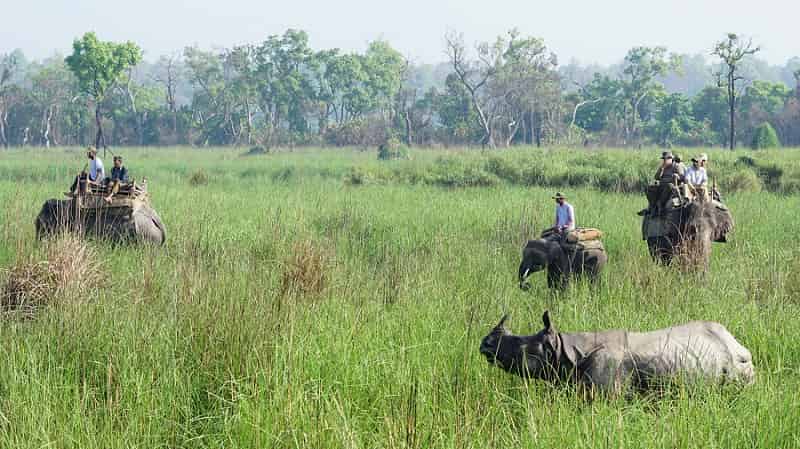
(282, 92)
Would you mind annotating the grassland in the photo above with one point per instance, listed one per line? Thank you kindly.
(228, 336)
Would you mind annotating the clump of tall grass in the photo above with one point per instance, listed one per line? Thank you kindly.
(305, 269)
(70, 269)
(742, 181)
(199, 178)
(392, 149)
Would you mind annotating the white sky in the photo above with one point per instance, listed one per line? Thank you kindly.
(587, 30)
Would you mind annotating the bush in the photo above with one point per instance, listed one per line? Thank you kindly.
(256, 150)
(199, 178)
(765, 137)
(69, 270)
(392, 149)
(357, 132)
(742, 181)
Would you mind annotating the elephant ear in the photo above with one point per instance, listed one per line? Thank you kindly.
(722, 225)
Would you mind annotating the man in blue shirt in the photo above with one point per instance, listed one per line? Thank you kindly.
(565, 214)
(119, 175)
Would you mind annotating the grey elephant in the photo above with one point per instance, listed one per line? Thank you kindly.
(687, 230)
(560, 263)
(137, 222)
(613, 359)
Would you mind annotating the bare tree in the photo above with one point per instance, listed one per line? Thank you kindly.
(474, 75)
(168, 76)
(731, 51)
(8, 65)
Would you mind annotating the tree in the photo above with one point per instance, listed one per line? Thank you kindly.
(459, 119)
(52, 87)
(710, 106)
(474, 75)
(168, 75)
(98, 66)
(9, 69)
(732, 51)
(641, 68)
(765, 137)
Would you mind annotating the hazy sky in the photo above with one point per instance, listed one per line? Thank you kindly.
(587, 30)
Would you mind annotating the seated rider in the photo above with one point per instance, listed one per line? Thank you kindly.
(96, 172)
(697, 178)
(119, 175)
(565, 215)
(669, 175)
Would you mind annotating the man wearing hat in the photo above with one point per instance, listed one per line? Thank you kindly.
(119, 174)
(565, 214)
(696, 174)
(669, 175)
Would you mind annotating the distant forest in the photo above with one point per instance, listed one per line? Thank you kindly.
(510, 91)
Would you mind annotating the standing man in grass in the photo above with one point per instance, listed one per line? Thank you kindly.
(565, 215)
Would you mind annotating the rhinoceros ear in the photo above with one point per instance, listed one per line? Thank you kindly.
(502, 323)
(548, 326)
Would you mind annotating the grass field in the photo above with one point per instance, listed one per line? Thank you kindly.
(321, 298)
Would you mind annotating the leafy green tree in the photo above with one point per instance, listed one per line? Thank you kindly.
(600, 104)
(710, 106)
(766, 96)
(459, 120)
(640, 72)
(98, 66)
(765, 137)
(732, 51)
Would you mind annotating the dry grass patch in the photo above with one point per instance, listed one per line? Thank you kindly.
(69, 270)
(305, 269)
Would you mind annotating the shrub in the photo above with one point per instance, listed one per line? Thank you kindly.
(357, 132)
(69, 270)
(199, 178)
(392, 149)
(256, 150)
(742, 181)
(505, 169)
(765, 137)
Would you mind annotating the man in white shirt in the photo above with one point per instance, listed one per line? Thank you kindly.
(696, 174)
(565, 214)
(97, 172)
(96, 175)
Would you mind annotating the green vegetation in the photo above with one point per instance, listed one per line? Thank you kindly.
(292, 307)
(765, 137)
(506, 91)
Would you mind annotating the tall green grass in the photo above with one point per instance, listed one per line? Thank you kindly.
(197, 344)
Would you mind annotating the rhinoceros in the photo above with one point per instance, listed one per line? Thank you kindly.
(610, 360)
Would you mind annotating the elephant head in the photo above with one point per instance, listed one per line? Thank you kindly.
(693, 228)
(538, 255)
(708, 221)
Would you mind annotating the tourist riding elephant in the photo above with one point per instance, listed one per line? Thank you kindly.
(687, 231)
(135, 223)
(561, 263)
